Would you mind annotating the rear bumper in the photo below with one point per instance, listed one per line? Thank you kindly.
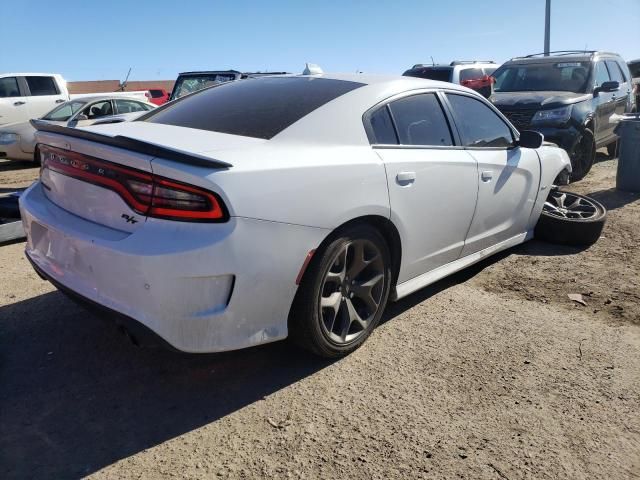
(199, 287)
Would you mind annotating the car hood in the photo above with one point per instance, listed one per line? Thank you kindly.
(534, 100)
(17, 127)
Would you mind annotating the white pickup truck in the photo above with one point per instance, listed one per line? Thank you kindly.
(24, 96)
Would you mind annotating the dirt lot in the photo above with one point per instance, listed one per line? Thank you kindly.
(491, 374)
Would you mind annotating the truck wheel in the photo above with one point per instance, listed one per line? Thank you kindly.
(570, 219)
(582, 156)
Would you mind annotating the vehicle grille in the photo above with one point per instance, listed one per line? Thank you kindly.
(521, 119)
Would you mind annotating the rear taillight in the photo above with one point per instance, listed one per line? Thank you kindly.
(144, 192)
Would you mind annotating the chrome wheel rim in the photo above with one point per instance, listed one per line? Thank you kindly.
(567, 205)
(352, 291)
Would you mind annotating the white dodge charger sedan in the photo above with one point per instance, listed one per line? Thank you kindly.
(282, 206)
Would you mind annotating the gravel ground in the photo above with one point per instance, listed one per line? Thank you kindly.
(492, 374)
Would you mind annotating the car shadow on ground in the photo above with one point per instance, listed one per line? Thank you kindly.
(613, 199)
(77, 397)
(8, 165)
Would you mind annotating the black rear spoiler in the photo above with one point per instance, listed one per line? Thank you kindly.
(131, 144)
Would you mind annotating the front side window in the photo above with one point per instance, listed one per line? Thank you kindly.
(40, 86)
(419, 120)
(256, 107)
(64, 112)
(601, 74)
(9, 87)
(614, 71)
(478, 124)
(130, 106)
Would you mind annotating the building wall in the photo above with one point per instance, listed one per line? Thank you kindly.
(106, 86)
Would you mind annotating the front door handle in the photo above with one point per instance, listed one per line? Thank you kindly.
(405, 178)
(60, 100)
(486, 176)
(17, 104)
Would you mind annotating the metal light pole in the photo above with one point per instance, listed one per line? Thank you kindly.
(547, 28)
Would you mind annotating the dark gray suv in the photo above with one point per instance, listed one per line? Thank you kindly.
(569, 97)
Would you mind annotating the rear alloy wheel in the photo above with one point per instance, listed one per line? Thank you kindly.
(343, 294)
(570, 219)
(583, 156)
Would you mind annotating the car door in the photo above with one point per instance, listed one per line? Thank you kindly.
(508, 176)
(621, 97)
(13, 103)
(605, 104)
(44, 94)
(432, 182)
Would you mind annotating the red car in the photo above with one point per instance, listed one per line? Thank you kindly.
(158, 96)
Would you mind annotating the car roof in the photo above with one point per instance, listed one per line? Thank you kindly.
(101, 98)
(587, 56)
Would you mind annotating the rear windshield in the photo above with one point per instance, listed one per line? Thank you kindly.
(156, 93)
(539, 77)
(256, 107)
(432, 73)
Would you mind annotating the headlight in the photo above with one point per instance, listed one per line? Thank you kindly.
(558, 116)
(8, 138)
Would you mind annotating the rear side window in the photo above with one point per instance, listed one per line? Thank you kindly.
(614, 71)
(384, 132)
(256, 107)
(40, 86)
(9, 87)
(479, 125)
(470, 74)
(420, 120)
(430, 73)
(130, 106)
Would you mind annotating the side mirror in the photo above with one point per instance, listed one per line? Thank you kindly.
(530, 139)
(607, 87)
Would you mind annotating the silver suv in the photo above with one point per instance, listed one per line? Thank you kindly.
(475, 74)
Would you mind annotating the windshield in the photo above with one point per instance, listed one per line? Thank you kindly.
(543, 77)
(64, 112)
(635, 69)
(441, 74)
(190, 84)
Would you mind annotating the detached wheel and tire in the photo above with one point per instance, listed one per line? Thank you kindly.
(570, 219)
(343, 293)
(583, 156)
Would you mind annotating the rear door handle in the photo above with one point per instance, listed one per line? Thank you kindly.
(17, 104)
(486, 176)
(405, 178)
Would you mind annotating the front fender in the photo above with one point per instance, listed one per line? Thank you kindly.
(554, 163)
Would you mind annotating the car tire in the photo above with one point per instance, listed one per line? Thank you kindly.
(9, 207)
(570, 219)
(583, 156)
(612, 149)
(343, 293)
